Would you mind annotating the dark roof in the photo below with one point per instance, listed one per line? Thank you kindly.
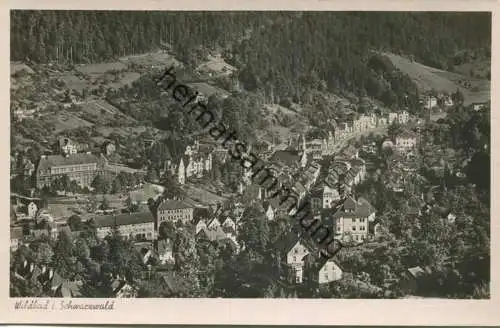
(56, 280)
(212, 234)
(362, 208)
(117, 285)
(174, 283)
(251, 191)
(172, 204)
(285, 156)
(416, 272)
(123, 219)
(287, 241)
(349, 204)
(58, 160)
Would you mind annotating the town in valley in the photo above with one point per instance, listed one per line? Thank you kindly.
(380, 121)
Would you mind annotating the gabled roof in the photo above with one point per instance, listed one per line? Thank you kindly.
(349, 204)
(287, 241)
(364, 208)
(212, 234)
(316, 262)
(416, 272)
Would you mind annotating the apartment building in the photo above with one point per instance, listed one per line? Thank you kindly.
(351, 218)
(173, 211)
(136, 226)
(406, 141)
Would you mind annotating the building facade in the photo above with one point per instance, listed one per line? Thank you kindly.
(173, 211)
(135, 226)
(83, 168)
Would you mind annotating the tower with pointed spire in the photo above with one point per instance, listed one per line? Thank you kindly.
(181, 173)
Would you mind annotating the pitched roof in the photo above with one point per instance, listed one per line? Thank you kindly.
(287, 241)
(349, 204)
(173, 204)
(361, 208)
(212, 234)
(58, 160)
(364, 208)
(117, 285)
(416, 272)
(123, 219)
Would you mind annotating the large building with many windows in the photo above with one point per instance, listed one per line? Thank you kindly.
(135, 226)
(173, 211)
(81, 167)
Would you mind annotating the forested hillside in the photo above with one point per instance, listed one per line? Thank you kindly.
(285, 53)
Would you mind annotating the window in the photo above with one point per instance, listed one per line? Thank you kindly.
(362, 220)
(354, 228)
(356, 237)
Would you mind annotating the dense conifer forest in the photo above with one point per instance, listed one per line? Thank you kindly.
(286, 52)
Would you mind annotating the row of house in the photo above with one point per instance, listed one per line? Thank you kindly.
(366, 122)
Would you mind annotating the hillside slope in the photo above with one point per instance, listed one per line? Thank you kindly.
(429, 78)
